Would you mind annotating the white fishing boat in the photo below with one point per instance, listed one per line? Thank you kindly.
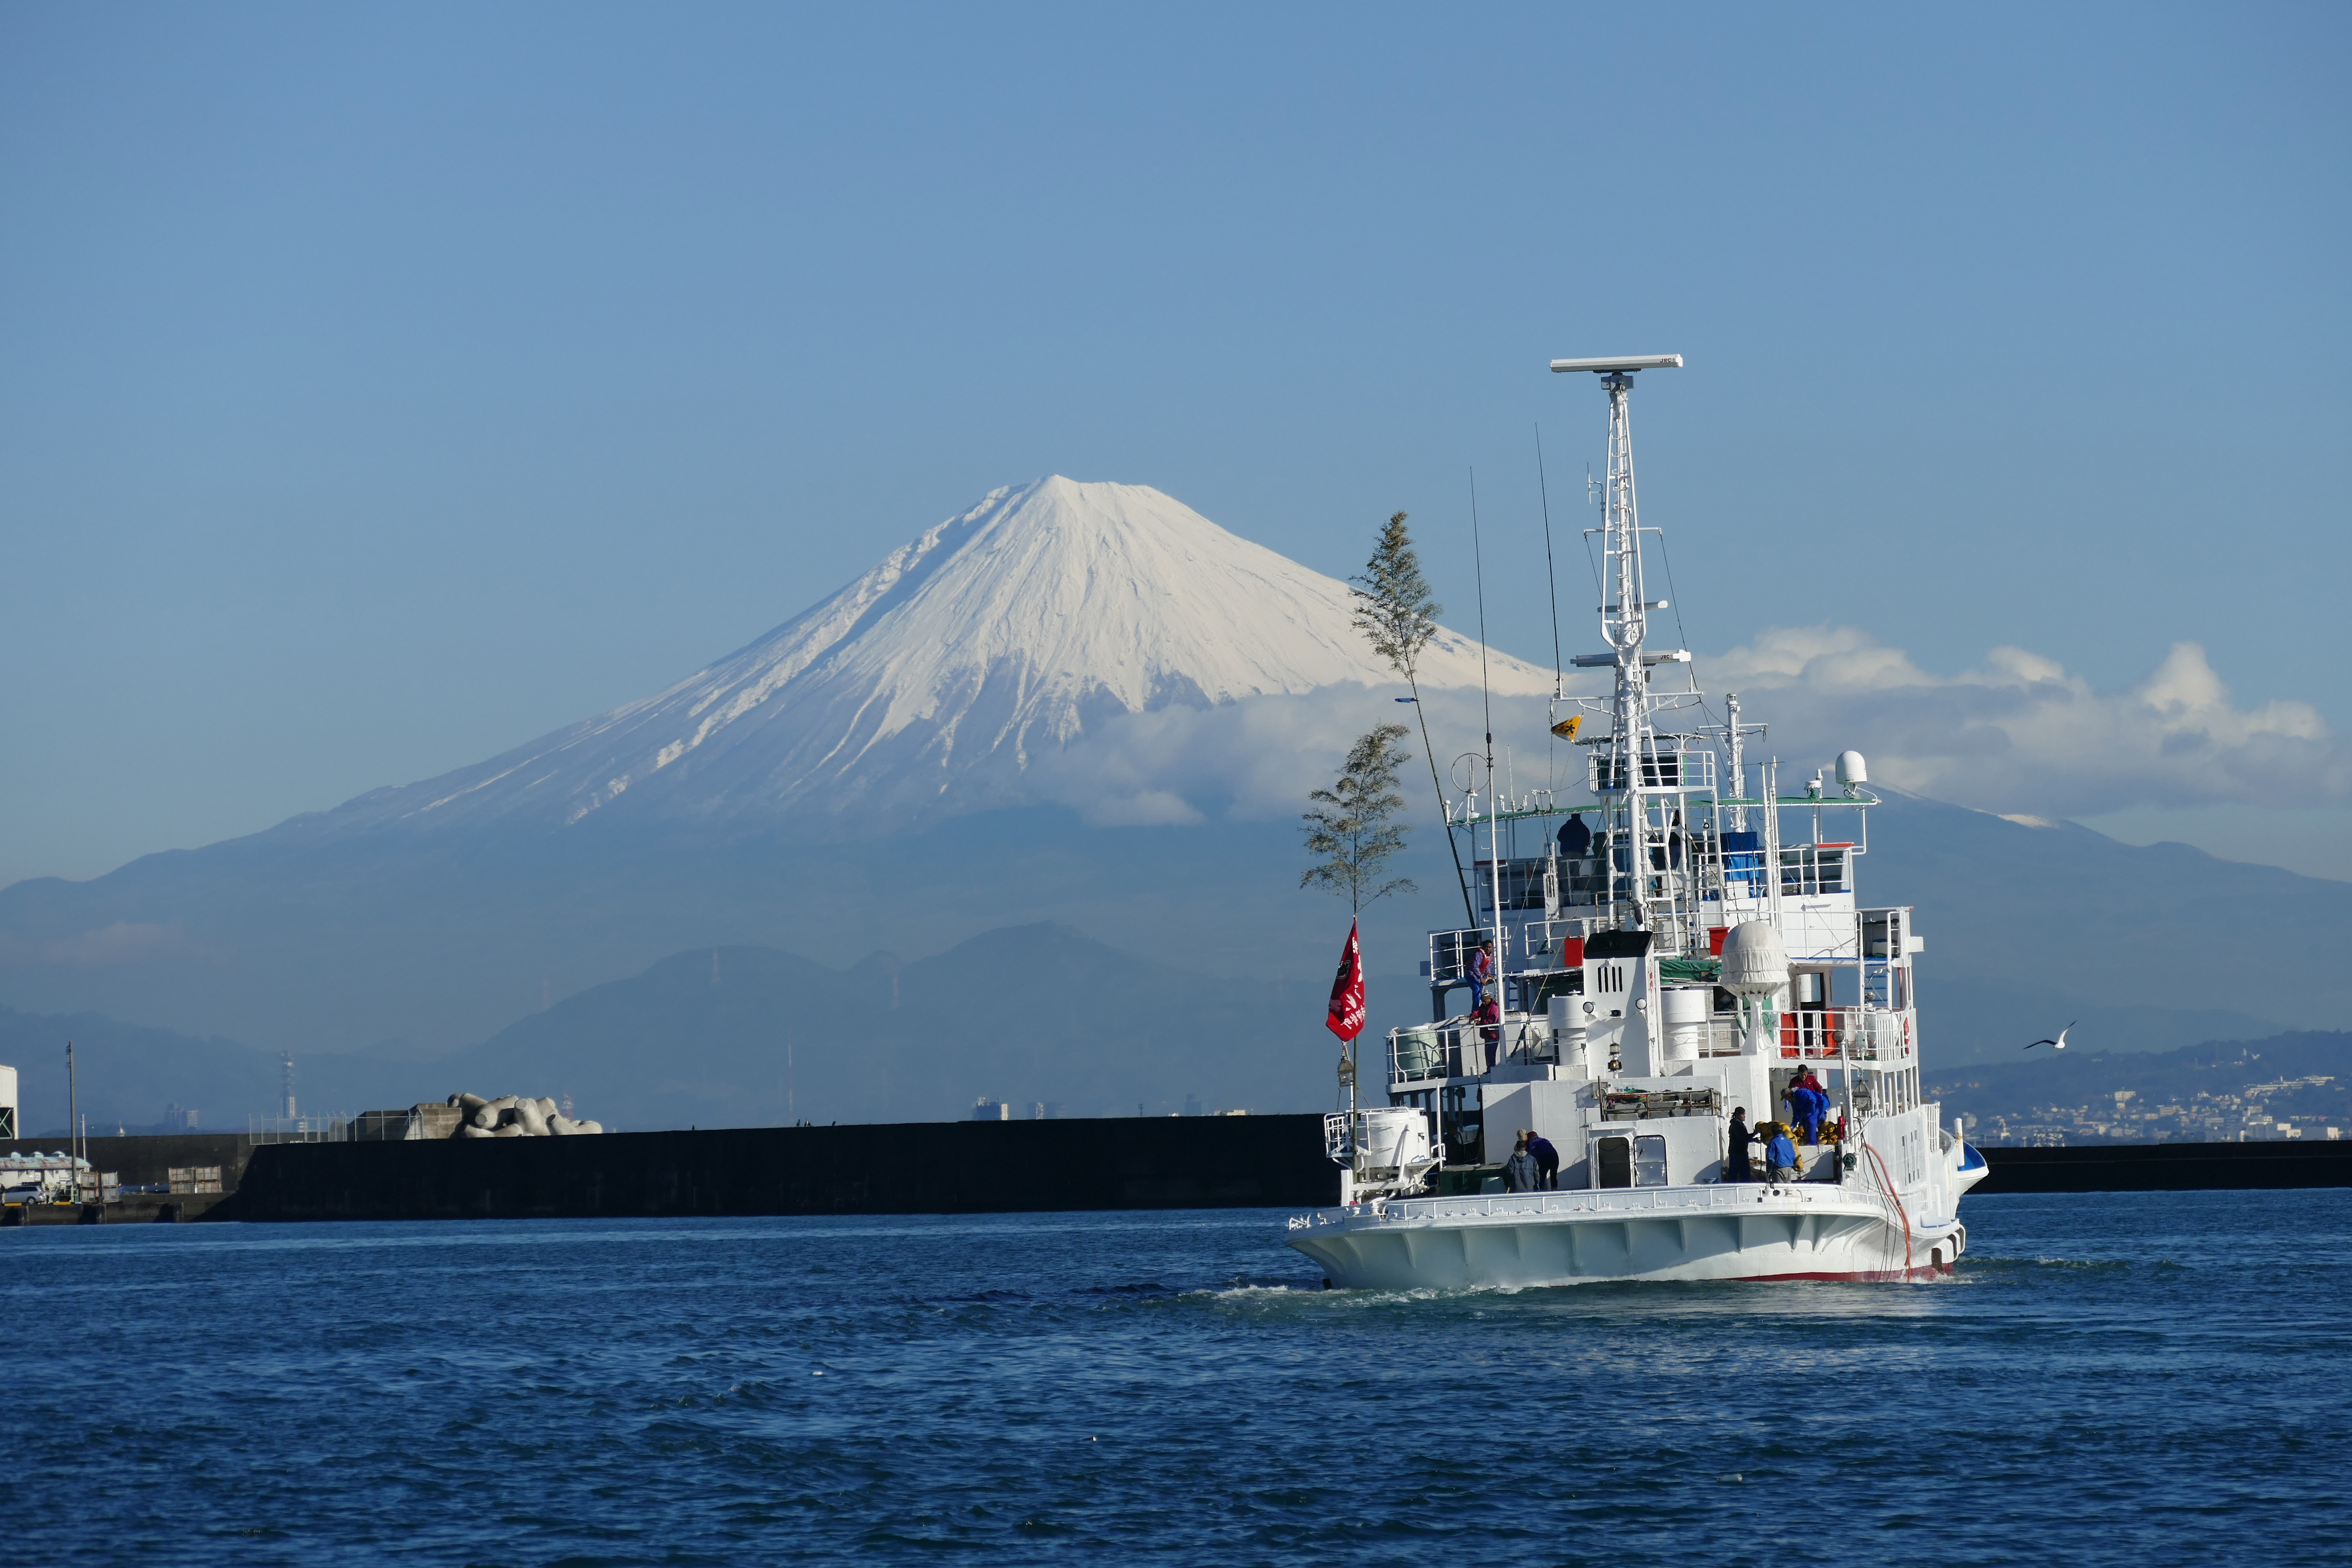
(1689, 948)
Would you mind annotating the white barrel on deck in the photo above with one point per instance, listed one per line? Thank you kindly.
(1687, 1011)
(1391, 1136)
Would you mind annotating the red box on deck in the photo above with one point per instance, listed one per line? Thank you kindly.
(1571, 953)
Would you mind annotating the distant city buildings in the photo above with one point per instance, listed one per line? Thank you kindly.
(2285, 1109)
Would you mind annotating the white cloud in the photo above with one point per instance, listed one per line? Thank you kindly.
(2016, 735)
(2019, 735)
(1256, 759)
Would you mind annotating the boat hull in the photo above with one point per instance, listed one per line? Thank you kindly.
(1711, 1233)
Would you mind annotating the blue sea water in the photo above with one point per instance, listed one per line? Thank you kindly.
(2108, 1379)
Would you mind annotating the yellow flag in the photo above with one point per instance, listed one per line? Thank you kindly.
(1566, 728)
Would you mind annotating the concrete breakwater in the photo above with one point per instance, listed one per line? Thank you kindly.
(979, 1167)
(930, 1167)
(965, 1167)
(2167, 1167)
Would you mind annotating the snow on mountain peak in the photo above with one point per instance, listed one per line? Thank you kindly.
(1008, 632)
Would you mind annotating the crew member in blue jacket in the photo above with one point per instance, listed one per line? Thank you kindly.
(1808, 1103)
(1780, 1158)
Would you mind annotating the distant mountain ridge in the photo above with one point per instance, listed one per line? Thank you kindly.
(735, 1035)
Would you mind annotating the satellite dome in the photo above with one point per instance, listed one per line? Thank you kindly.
(1851, 771)
(1754, 961)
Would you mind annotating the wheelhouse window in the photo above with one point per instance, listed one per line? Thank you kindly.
(1649, 1161)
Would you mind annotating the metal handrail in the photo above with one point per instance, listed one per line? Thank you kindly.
(1866, 1034)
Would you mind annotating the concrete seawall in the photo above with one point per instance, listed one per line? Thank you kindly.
(2168, 1167)
(930, 1167)
(968, 1167)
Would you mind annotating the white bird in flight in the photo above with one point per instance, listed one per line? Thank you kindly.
(2060, 1042)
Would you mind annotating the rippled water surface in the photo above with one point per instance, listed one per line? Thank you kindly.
(2142, 1379)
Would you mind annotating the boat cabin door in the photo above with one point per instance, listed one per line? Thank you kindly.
(1628, 1159)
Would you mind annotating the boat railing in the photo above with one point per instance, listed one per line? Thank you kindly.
(1339, 1137)
(1667, 762)
(1807, 869)
(1864, 1034)
(1458, 1048)
(1450, 952)
(1540, 939)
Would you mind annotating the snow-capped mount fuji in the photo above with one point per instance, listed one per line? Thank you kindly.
(941, 679)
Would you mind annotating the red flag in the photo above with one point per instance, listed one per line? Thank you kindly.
(1346, 1017)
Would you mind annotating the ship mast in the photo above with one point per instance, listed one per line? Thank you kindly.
(1624, 623)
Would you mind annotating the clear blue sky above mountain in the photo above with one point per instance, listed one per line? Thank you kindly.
(384, 387)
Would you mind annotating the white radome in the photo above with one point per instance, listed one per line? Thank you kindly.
(1755, 960)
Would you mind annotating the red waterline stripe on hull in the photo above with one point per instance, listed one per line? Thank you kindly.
(1865, 1276)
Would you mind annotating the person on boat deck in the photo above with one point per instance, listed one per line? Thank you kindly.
(1481, 972)
(1736, 1167)
(1793, 1097)
(1490, 1019)
(1780, 1158)
(1575, 839)
(1547, 1161)
(1811, 1102)
(1519, 1170)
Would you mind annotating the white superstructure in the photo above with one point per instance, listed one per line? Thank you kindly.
(1690, 947)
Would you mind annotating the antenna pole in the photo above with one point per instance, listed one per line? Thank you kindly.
(1739, 766)
(1494, 814)
(1552, 578)
(1625, 625)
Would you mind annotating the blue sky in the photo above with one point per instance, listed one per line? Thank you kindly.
(379, 388)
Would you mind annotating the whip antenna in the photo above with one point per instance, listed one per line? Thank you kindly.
(1551, 579)
(1478, 561)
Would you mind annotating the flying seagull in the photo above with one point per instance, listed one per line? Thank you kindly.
(2060, 1042)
